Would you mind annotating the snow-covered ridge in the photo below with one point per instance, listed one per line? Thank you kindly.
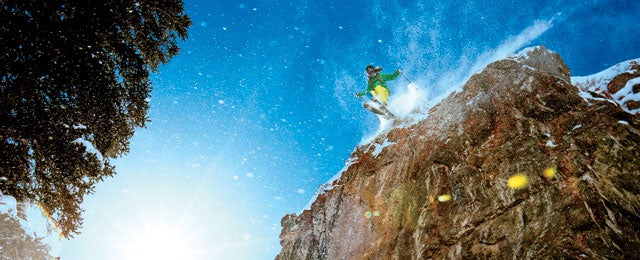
(597, 83)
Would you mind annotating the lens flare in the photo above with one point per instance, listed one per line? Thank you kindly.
(550, 173)
(47, 215)
(518, 181)
(444, 198)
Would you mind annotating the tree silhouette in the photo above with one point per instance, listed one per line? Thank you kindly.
(74, 84)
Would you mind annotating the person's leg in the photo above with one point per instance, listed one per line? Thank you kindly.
(381, 93)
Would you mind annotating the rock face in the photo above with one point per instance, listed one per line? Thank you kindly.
(440, 188)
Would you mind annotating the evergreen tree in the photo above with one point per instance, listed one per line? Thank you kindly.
(74, 84)
(16, 244)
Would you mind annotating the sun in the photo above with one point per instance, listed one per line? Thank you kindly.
(158, 242)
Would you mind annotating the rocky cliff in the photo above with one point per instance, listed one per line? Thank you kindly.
(445, 187)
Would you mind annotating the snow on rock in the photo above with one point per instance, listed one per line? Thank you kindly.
(619, 83)
(380, 147)
(540, 58)
(629, 95)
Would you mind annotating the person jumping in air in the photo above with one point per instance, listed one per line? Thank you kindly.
(377, 84)
(377, 87)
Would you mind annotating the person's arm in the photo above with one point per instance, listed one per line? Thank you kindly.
(364, 92)
(393, 76)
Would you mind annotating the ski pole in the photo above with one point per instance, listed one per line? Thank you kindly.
(410, 82)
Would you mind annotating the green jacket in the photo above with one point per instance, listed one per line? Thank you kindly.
(380, 80)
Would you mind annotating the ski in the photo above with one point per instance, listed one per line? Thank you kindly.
(378, 108)
(382, 107)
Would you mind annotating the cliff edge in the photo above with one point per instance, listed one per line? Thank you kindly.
(441, 188)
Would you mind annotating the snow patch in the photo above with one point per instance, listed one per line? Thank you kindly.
(524, 54)
(379, 147)
(626, 94)
(597, 83)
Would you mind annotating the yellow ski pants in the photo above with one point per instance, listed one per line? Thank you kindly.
(381, 93)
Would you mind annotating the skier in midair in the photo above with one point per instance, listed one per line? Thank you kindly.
(377, 87)
(377, 84)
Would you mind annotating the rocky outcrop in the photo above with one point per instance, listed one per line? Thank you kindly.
(440, 188)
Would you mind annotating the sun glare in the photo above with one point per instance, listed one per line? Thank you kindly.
(158, 242)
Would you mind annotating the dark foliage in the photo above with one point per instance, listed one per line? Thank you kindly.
(74, 84)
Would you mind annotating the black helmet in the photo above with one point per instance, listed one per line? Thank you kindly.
(371, 70)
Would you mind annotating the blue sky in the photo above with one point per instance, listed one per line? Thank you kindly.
(258, 109)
